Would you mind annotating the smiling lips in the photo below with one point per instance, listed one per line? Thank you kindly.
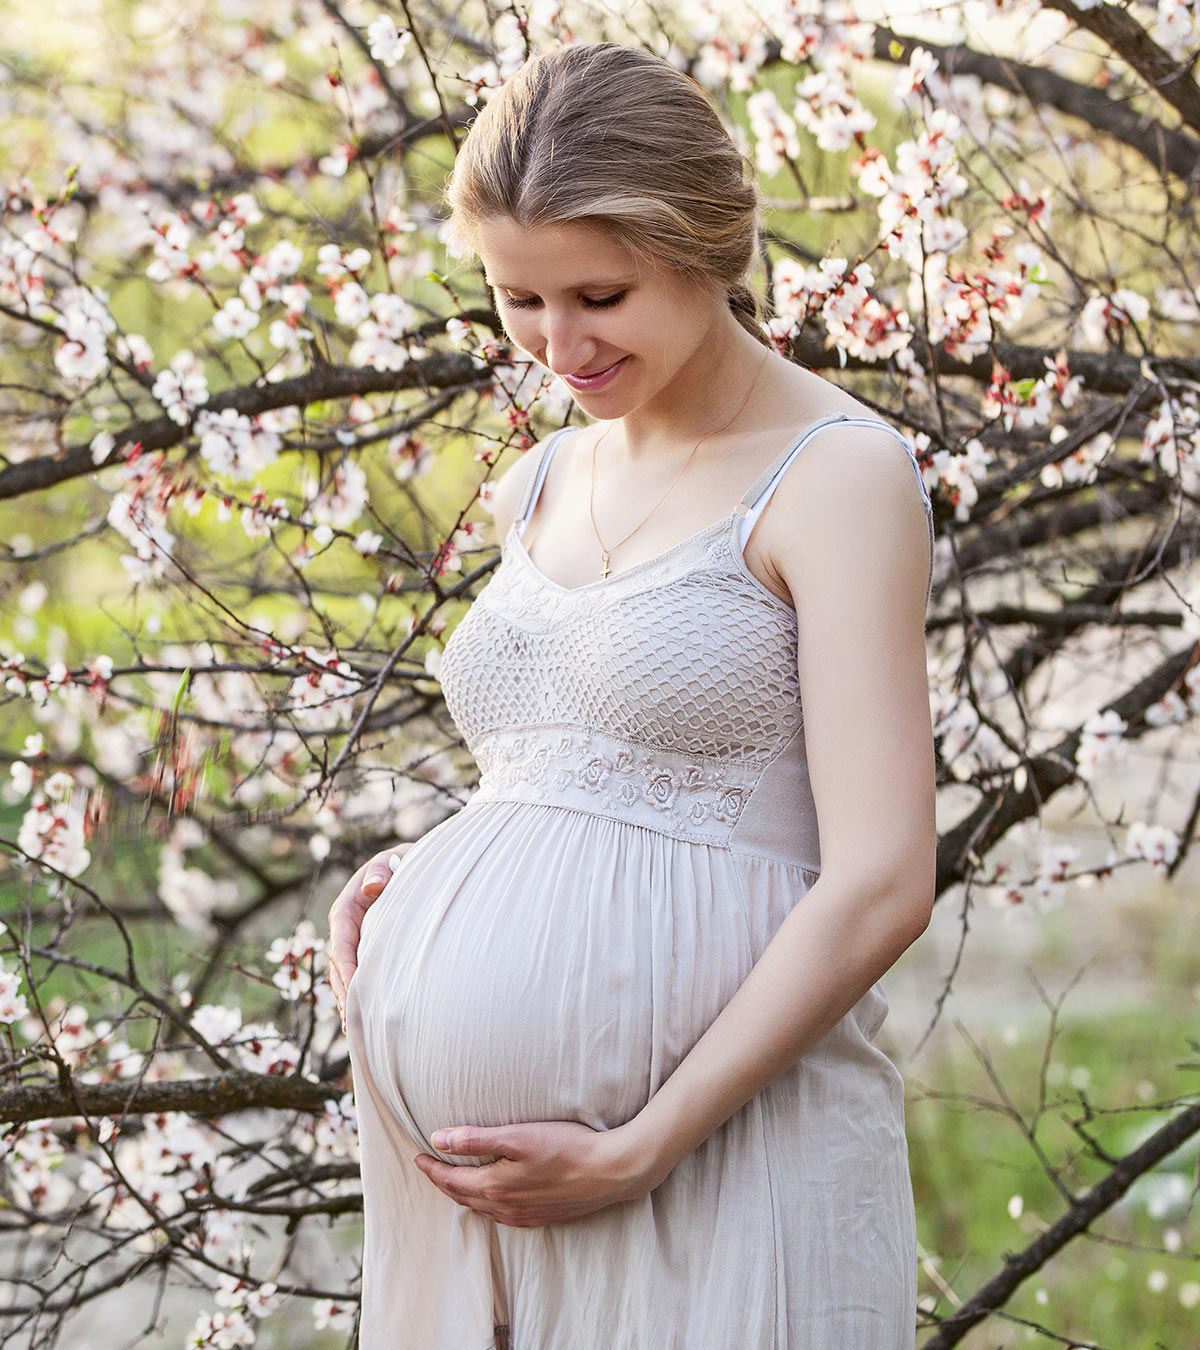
(595, 379)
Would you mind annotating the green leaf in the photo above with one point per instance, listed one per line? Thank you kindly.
(185, 681)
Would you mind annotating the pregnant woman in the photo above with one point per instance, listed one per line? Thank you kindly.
(612, 1023)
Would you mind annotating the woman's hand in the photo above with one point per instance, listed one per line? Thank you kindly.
(346, 916)
(548, 1172)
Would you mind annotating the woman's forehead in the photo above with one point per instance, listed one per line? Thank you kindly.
(568, 254)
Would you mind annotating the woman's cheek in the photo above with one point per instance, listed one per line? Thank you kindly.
(525, 336)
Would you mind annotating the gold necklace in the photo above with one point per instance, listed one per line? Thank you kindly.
(606, 553)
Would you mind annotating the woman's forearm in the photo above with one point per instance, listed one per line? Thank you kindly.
(832, 947)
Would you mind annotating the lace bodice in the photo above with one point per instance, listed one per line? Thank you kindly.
(685, 654)
(663, 691)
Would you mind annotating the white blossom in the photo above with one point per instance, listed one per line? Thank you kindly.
(52, 830)
(1178, 27)
(1101, 743)
(227, 247)
(33, 1159)
(1156, 843)
(341, 500)
(171, 237)
(222, 1330)
(234, 445)
(216, 1023)
(301, 959)
(283, 260)
(921, 64)
(182, 388)
(321, 698)
(336, 162)
(828, 107)
(351, 304)
(234, 319)
(331, 1315)
(336, 1132)
(333, 263)
(192, 894)
(1049, 876)
(1104, 313)
(21, 777)
(13, 1006)
(774, 132)
(85, 325)
(1179, 305)
(286, 336)
(386, 44)
(140, 521)
(262, 1048)
(102, 446)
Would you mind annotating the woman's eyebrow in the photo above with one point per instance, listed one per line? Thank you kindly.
(582, 286)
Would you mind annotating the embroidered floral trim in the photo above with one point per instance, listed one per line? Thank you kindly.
(626, 780)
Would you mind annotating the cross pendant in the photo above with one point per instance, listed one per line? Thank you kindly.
(604, 555)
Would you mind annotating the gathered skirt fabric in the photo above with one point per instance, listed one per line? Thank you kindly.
(531, 962)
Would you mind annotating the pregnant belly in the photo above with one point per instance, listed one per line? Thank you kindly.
(532, 963)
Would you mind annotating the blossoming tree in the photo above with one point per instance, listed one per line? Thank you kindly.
(254, 398)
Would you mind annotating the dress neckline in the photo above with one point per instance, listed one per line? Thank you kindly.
(728, 522)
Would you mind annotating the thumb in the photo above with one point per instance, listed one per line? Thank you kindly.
(377, 877)
(375, 880)
(469, 1140)
(379, 873)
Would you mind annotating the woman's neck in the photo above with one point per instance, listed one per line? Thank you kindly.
(705, 394)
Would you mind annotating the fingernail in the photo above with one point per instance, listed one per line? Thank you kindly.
(440, 1139)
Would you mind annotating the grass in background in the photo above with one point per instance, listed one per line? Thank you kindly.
(981, 1192)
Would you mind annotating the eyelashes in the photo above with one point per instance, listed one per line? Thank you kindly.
(607, 303)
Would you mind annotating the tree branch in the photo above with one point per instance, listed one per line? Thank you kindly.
(1170, 78)
(1169, 151)
(216, 1096)
(1000, 810)
(1102, 372)
(1078, 1217)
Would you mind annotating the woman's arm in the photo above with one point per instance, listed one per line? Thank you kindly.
(849, 538)
(848, 535)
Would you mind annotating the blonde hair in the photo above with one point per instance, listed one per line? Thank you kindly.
(616, 137)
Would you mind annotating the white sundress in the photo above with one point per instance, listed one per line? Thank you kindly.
(642, 825)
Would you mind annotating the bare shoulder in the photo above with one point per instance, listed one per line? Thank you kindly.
(850, 459)
(509, 488)
(852, 491)
(840, 457)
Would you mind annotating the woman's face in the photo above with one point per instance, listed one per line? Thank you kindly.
(574, 300)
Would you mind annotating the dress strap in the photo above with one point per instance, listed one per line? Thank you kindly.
(752, 504)
(534, 486)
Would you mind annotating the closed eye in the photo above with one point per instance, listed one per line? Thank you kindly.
(606, 303)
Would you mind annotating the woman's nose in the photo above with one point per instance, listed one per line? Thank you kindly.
(565, 344)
